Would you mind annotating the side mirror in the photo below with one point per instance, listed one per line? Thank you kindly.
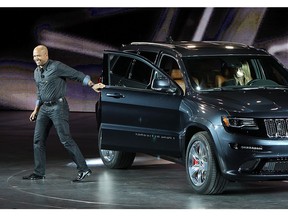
(162, 84)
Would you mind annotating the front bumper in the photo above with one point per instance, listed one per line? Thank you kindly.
(253, 159)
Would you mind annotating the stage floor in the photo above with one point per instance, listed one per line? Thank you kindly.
(151, 183)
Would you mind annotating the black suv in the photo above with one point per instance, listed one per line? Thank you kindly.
(218, 108)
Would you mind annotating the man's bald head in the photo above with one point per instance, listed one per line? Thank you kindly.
(40, 55)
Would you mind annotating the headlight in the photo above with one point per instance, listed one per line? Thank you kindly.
(241, 123)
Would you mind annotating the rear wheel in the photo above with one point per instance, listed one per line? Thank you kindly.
(115, 159)
(201, 166)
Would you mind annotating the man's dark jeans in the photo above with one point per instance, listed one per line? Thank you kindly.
(56, 114)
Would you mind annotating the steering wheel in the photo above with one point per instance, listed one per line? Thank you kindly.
(262, 82)
(252, 82)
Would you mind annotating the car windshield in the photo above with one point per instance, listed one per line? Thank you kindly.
(222, 72)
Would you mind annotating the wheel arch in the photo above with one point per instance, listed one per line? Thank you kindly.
(195, 128)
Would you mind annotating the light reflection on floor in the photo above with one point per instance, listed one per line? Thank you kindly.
(139, 160)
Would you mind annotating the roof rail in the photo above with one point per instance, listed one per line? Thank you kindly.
(155, 44)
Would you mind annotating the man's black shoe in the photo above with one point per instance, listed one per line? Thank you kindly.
(82, 175)
(33, 176)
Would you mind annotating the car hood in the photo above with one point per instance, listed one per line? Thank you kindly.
(250, 100)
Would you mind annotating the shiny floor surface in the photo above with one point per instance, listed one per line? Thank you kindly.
(151, 183)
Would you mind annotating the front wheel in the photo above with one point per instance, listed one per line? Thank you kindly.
(115, 159)
(201, 166)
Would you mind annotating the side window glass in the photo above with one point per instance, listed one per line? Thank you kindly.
(129, 72)
(170, 66)
(168, 63)
(120, 67)
(140, 73)
(149, 55)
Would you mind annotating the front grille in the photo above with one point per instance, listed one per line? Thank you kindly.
(276, 128)
(276, 167)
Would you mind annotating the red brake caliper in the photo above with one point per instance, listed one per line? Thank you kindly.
(195, 162)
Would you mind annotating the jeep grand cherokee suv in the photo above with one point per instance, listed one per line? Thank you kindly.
(218, 108)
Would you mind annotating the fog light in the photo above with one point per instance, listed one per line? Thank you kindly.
(237, 146)
(249, 166)
(234, 146)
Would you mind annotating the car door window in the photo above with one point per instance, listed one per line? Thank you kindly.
(140, 73)
(170, 66)
(129, 72)
(150, 55)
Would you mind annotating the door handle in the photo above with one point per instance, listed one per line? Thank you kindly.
(115, 95)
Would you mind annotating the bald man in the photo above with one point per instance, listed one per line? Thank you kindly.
(52, 109)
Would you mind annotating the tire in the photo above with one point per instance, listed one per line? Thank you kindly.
(201, 166)
(115, 159)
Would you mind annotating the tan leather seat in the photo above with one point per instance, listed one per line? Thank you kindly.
(196, 81)
(219, 80)
(177, 76)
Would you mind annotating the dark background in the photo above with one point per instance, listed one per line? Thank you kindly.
(23, 28)
(116, 26)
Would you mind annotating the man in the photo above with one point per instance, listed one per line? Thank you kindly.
(52, 109)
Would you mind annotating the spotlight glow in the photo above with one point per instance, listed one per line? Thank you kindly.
(73, 44)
